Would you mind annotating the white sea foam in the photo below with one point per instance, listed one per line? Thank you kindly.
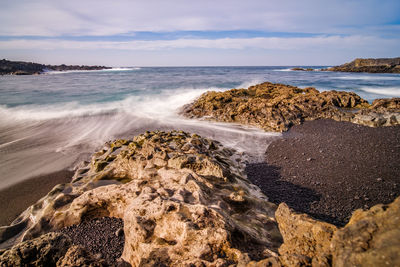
(368, 77)
(84, 71)
(156, 106)
(386, 91)
(288, 69)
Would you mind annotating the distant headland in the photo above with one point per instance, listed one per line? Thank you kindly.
(371, 65)
(8, 67)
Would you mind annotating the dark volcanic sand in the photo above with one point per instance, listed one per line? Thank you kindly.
(328, 169)
(103, 237)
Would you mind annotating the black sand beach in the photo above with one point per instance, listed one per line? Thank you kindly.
(328, 169)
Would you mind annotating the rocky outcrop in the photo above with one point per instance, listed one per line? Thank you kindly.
(371, 238)
(183, 200)
(276, 107)
(29, 68)
(302, 69)
(378, 65)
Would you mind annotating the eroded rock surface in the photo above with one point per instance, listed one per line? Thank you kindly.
(52, 249)
(371, 238)
(276, 107)
(183, 199)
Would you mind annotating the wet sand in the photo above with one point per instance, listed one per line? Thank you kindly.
(328, 169)
(16, 198)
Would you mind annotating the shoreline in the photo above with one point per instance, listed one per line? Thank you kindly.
(18, 197)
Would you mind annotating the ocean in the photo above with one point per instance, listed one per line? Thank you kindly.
(54, 121)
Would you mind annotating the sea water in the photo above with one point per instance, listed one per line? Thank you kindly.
(53, 121)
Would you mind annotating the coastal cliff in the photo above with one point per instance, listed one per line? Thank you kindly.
(30, 68)
(371, 65)
(277, 107)
(181, 199)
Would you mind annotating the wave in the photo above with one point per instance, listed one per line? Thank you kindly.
(386, 91)
(365, 77)
(159, 105)
(288, 69)
(84, 71)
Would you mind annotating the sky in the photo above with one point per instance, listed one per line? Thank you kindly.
(199, 33)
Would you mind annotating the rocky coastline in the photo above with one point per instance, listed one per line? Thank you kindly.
(29, 68)
(371, 65)
(178, 199)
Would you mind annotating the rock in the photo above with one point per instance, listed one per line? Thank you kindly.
(304, 239)
(52, 249)
(379, 65)
(302, 69)
(277, 107)
(371, 238)
(198, 209)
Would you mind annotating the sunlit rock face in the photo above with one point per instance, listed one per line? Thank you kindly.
(277, 107)
(183, 200)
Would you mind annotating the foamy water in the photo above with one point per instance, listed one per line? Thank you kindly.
(52, 122)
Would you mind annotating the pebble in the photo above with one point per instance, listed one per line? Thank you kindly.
(379, 179)
(119, 232)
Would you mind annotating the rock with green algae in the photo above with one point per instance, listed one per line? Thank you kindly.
(277, 107)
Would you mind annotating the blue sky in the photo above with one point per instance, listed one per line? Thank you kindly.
(190, 33)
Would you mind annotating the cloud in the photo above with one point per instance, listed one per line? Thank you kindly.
(268, 43)
(101, 17)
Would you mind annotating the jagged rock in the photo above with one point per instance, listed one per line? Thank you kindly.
(183, 199)
(52, 249)
(305, 239)
(392, 104)
(302, 69)
(371, 238)
(276, 107)
(372, 65)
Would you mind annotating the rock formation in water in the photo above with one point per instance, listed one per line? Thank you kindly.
(302, 69)
(371, 65)
(185, 201)
(276, 107)
(29, 68)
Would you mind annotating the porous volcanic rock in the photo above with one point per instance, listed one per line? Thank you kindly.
(276, 107)
(371, 238)
(52, 249)
(371, 65)
(183, 200)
